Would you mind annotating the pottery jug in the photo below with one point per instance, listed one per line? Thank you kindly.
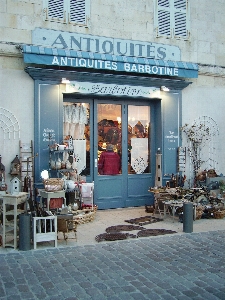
(74, 164)
(68, 165)
(75, 206)
(52, 164)
(71, 184)
(58, 163)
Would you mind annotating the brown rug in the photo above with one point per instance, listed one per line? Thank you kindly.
(144, 220)
(154, 232)
(114, 236)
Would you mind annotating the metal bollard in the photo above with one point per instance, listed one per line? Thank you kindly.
(188, 217)
(25, 232)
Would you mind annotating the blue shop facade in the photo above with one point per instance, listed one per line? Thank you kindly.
(102, 90)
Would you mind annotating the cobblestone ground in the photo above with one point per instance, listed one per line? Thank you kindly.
(188, 266)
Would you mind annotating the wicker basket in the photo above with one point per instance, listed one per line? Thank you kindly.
(53, 184)
(85, 215)
(199, 214)
(219, 214)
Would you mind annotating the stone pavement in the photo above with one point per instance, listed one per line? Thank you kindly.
(177, 266)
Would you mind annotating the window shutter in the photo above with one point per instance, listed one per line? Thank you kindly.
(78, 12)
(164, 16)
(172, 18)
(180, 18)
(57, 10)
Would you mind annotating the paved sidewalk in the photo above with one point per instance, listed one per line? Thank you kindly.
(187, 266)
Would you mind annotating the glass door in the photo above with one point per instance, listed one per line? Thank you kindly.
(108, 156)
(122, 160)
(109, 139)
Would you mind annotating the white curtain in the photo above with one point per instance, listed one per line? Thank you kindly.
(74, 120)
(139, 154)
(79, 155)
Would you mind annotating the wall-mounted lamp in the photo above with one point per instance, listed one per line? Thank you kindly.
(64, 80)
(164, 89)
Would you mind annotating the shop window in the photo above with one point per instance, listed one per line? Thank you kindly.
(109, 139)
(75, 12)
(172, 18)
(76, 124)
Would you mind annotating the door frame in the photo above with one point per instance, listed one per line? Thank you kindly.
(128, 196)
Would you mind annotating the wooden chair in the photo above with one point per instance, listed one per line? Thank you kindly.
(67, 226)
(44, 229)
(159, 205)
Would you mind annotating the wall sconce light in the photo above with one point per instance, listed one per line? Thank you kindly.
(164, 89)
(64, 80)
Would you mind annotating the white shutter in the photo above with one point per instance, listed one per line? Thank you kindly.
(164, 17)
(180, 19)
(79, 12)
(56, 10)
(171, 18)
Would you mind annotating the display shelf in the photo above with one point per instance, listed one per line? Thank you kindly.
(10, 228)
(64, 170)
(54, 155)
(61, 151)
(11, 212)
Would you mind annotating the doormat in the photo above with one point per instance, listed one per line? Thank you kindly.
(114, 236)
(154, 232)
(119, 228)
(144, 220)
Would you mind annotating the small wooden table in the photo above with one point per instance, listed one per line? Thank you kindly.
(49, 195)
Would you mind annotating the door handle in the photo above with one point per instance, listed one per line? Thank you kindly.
(96, 163)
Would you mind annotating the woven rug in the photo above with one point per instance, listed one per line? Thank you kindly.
(144, 220)
(114, 236)
(154, 232)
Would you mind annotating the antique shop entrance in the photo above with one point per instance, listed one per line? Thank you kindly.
(130, 127)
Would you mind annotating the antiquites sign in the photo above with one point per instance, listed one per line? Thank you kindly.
(112, 65)
(104, 45)
(66, 49)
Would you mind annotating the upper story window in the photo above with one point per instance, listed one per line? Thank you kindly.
(75, 12)
(172, 18)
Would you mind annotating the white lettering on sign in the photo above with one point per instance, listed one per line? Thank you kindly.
(171, 138)
(84, 63)
(104, 45)
(128, 67)
(111, 89)
(112, 65)
(48, 135)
